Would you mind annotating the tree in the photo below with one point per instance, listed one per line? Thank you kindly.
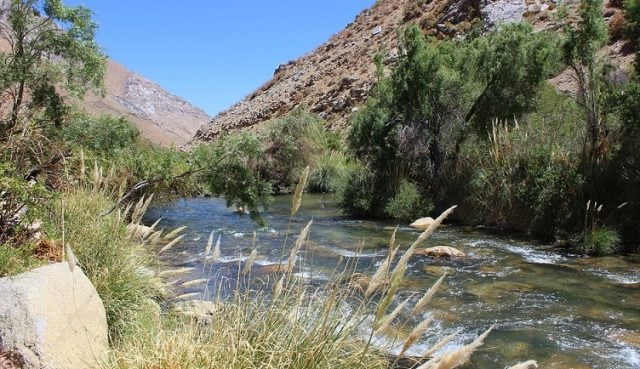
(51, 46)
(581, 47)
(399, 135)
(508, 65)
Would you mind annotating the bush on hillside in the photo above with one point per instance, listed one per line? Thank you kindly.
(292, 143)
(105, 135)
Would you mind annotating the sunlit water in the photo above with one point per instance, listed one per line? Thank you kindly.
(562, 310)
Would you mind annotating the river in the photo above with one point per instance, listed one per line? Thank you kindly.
(562, 310)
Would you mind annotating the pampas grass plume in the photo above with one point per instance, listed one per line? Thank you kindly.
(389, 319)
(297, 196)
(249, 263)
(171, 235)
(422, 303)
(415, 335)
(531, 364)
(457, 357)
(171, 244)
(71, 258)
(207, 249)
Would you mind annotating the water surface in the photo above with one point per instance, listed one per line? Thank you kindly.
(563, 310)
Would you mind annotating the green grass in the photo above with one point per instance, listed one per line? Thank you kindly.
(599, 241)
(15, 260)
(119, 268)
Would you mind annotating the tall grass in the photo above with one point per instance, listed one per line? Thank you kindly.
(120, 269)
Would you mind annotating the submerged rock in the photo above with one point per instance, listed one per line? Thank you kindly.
(441, 251)
(52, 318)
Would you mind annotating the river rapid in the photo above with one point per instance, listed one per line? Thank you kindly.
(562, 310)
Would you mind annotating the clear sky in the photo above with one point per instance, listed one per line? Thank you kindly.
(213, 53)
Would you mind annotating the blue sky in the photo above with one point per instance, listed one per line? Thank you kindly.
(213, 53)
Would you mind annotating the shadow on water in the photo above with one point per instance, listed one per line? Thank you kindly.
(563, 310)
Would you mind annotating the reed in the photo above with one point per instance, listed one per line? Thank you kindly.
(458, 357)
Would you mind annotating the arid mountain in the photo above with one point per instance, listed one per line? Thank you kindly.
(162, 117)
(335, 79)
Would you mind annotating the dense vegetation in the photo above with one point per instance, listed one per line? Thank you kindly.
(474, 122)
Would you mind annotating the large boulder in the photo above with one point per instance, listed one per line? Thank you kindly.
(52, 318)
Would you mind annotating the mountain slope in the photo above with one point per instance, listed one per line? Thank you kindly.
(335, 78)
(161, 117)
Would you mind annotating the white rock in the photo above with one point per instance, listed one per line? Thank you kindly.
(52, 318)
(441, 251)
(422, 223)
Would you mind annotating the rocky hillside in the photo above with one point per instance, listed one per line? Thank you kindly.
(334, 79)
(162, 117)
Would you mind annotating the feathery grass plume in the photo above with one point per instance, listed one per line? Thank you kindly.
(174, 233)
(82, 165)
(249, 263)
(154, 238)
(215, 255)
(171, 244)
(194, 282)
(155, 224)
(291, 262)
(126, 211)
(207, 249)
(401, 268)
(428, 296)
(398, 272)
(188, 296)
(440, 344)
(71, 258)
(457, 357)
(140, 209)
(531, 364)
(381, 275)
(297, 196)
(389, 318)
(97, 176)
(277, 289)
(172, 272)
(415, 334)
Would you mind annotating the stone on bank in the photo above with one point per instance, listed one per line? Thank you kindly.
(52, 318)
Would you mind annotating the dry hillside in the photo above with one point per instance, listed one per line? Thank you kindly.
(335, 78)
(162, 117)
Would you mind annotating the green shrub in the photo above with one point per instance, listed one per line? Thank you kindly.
(358, 197)
(105, 135)
(17, 259)
(329, 173)
(408, 203)
(599, 241)
(292, 143)
(21, 203)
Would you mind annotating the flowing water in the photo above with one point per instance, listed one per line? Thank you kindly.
(563, 310)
